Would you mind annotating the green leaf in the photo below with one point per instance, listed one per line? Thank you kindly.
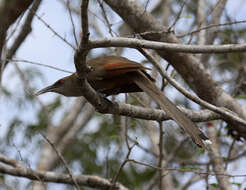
(6, 92)
(224, 158)
(187, 16)
(237, 184)
(214, 185)
(242, 97)
(200, 151)
(114, 136)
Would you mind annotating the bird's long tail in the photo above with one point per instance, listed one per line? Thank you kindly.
(182, 120)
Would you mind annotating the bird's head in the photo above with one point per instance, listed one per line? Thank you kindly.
(67, 86)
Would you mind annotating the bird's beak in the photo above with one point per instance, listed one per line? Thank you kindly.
(44, 90)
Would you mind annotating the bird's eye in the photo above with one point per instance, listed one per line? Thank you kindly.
(59, 82)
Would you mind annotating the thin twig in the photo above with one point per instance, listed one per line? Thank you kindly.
(198, 171)
(22, 167)
(72, 22)
(106, 18)
(146, 5)
(54, 32)
(161, 132)
(63, 161)
(147, 150)
(178, 16)
(114, 180)
(39, 64)
(229, 152)
(193, 179)
(210, 26)
(28, 89)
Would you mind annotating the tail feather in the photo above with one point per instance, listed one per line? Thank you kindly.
(183, 121)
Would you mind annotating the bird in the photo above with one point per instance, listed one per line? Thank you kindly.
(112, 75)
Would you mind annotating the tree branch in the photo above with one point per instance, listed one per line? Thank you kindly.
(218, 164)
(10, 10)
(85, 180)
(172, 47)
(24, 31)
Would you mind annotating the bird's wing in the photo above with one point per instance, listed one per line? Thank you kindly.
(111, 66)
